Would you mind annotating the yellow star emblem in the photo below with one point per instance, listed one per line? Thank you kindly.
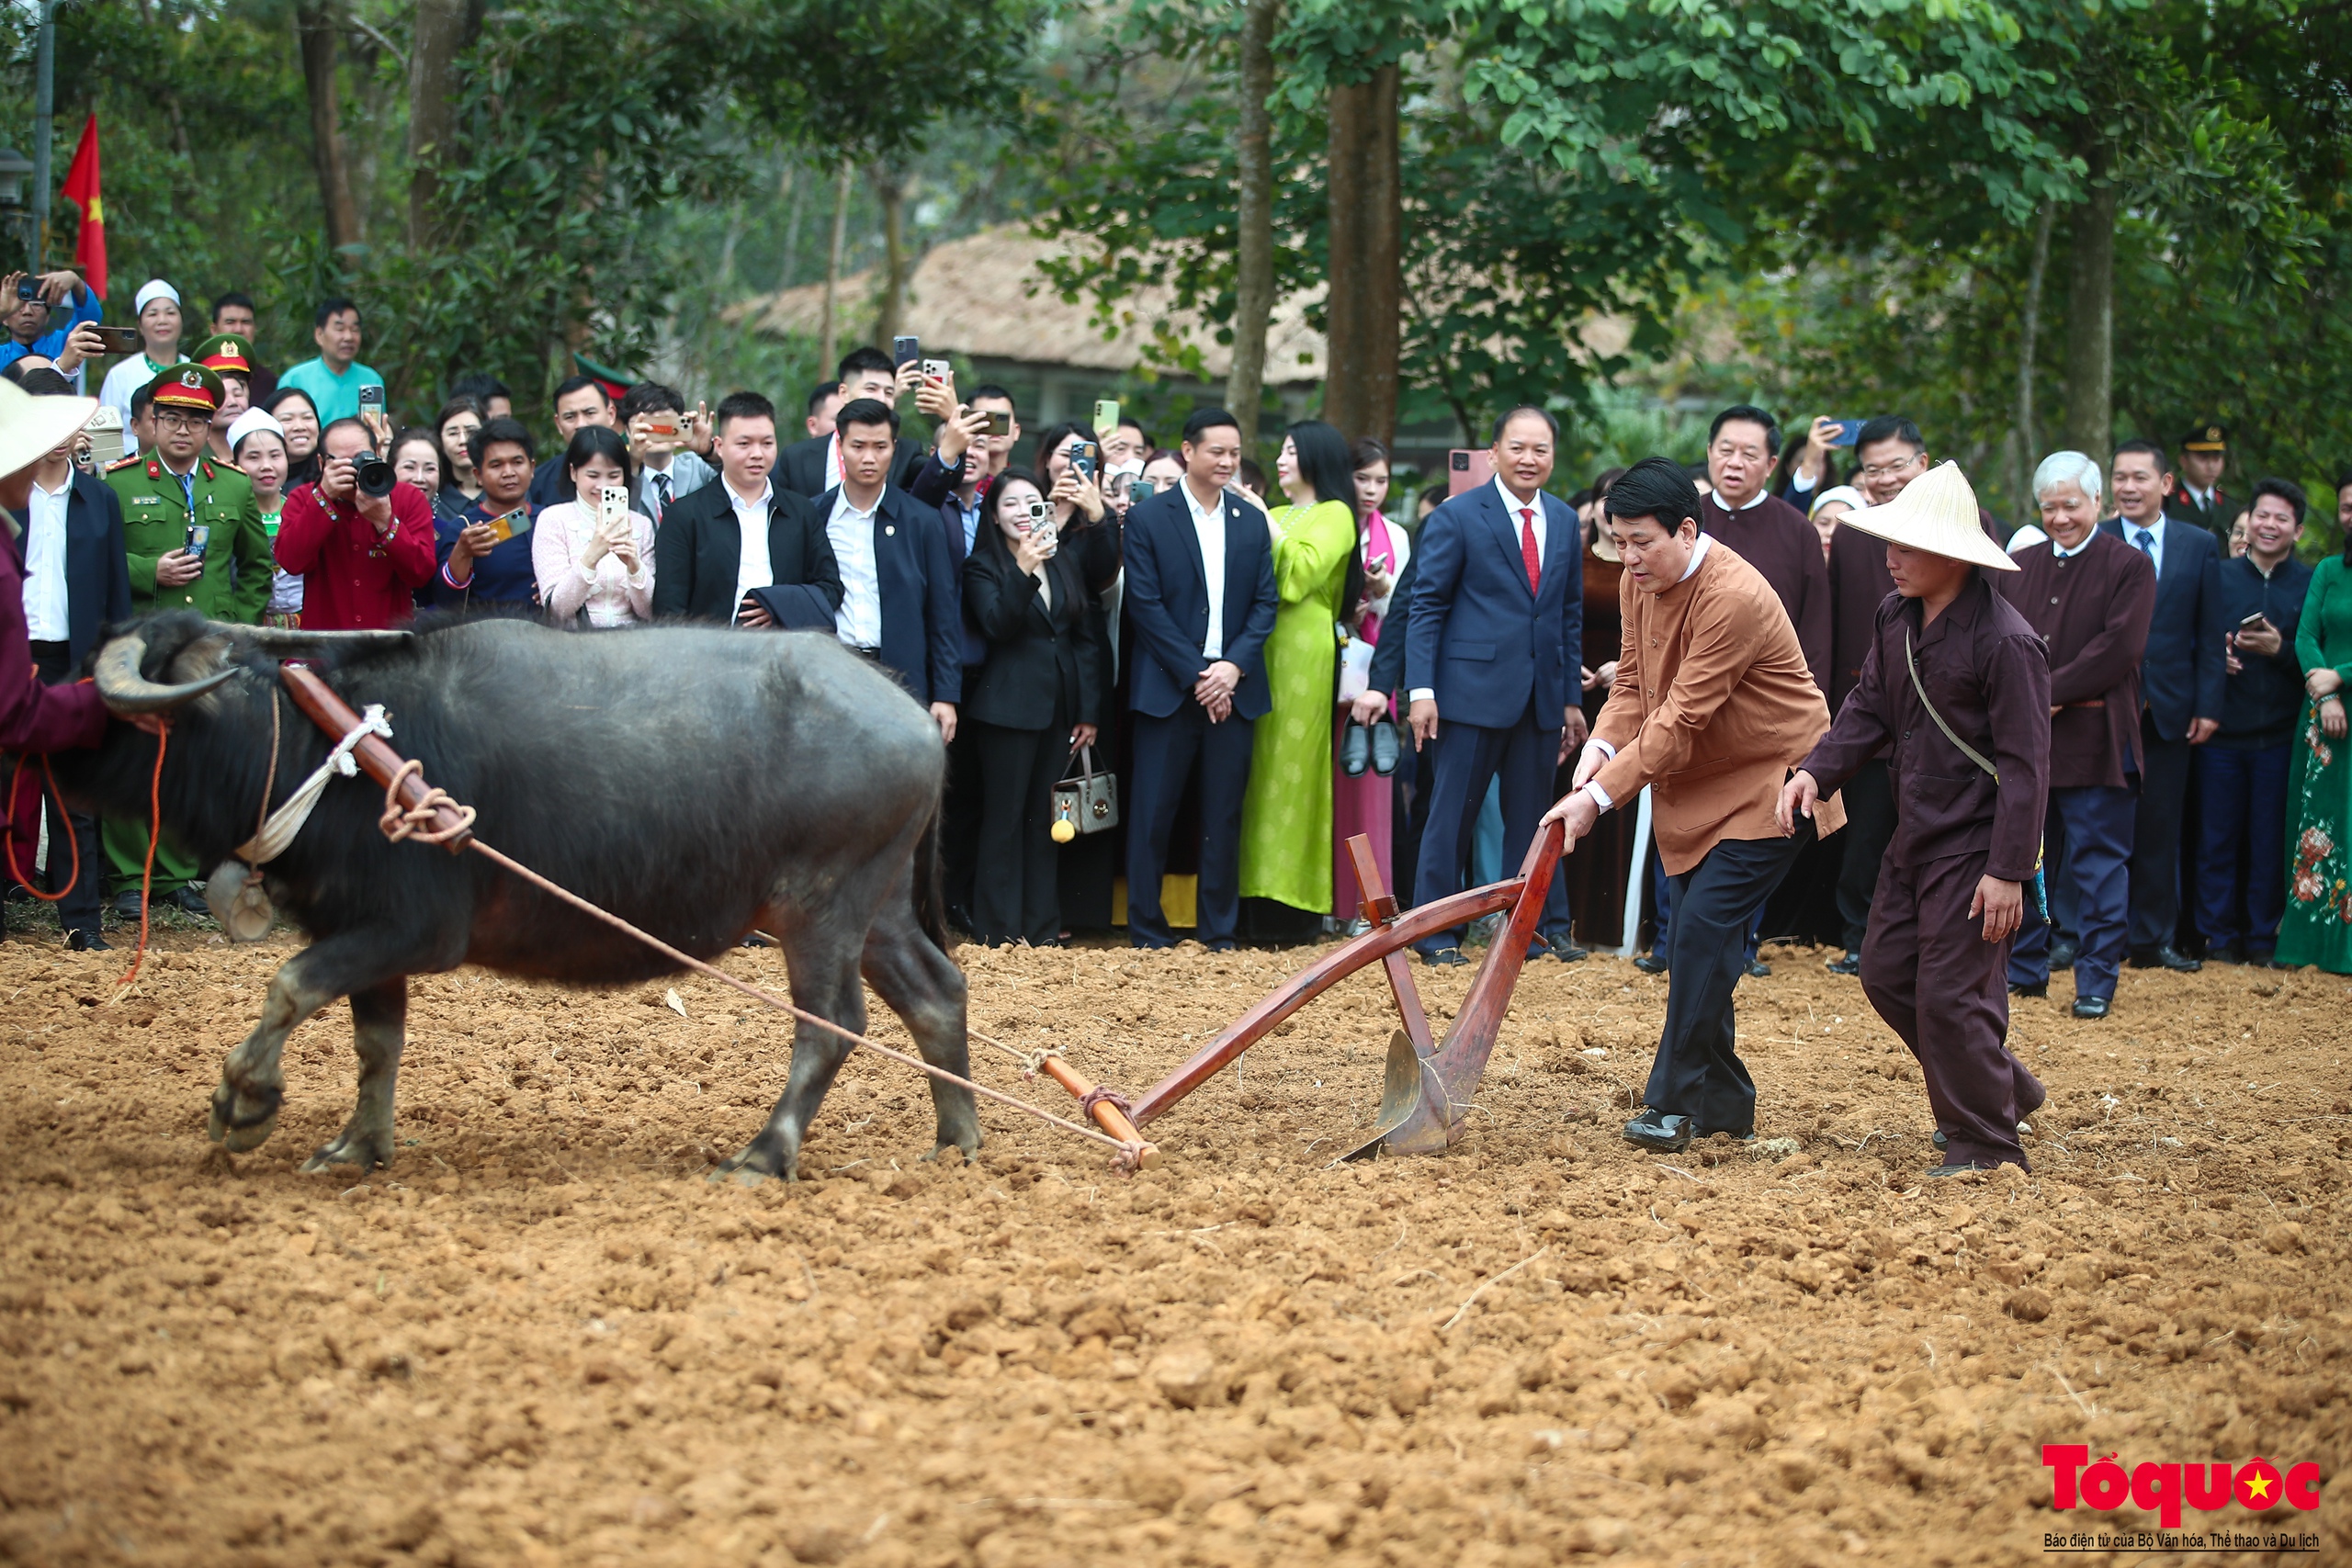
(2258, 1488)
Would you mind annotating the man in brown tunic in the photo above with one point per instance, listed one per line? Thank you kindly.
(1969, 804)
(2090, 596)
(1711, 705)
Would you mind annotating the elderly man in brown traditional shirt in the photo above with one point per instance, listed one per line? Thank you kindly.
(1711, 705)
(2091, 596)
(1957, 685)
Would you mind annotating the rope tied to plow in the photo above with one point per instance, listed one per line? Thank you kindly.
(279, 830)
(1034, 1062)
(416, 820)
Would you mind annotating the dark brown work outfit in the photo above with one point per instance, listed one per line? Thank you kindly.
(1926, 965)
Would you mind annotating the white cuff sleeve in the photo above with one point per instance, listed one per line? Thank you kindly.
(1599, 795)
(1799, 480)
(1606, 749)
(1421, 694)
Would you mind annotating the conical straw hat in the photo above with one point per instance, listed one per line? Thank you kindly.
(31, 427)
(1937, 512)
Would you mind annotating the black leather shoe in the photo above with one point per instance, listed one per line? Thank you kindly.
(87, 942)
(1560, 947)
(2062, 955)
(188, 900)
(1650, 964)
(1654, 1129)
(1387, 749)
(1355, 750)
(2039, 988)
(1758, 969)
(2090, 1006)
(2164, 957)
(2262, 958)
(1849, 964)
(126, 904)
(1443, 956)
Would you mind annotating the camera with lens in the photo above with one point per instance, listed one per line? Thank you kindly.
(373, 475)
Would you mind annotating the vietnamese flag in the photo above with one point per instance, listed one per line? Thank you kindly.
(81, 190)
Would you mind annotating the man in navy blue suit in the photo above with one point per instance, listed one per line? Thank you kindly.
(1492, 644)
(2183, 676)
(902, 598)
(1199, 601)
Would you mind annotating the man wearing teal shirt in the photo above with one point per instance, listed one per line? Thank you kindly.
(332, 380)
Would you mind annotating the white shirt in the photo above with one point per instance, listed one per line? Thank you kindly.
(752, 567)
(858, 622)
(2203, 498)
(832, 462)
(1208, 523)
(45, 596)
(2027, 536)
(2063, 553)
(2155, 532)
(1592, 786)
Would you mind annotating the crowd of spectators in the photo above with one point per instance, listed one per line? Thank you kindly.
(1227, 679)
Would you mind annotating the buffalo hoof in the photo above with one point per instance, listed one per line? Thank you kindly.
(751, 1166)
(369, 1151)
(964, 1153)
(243, 1122)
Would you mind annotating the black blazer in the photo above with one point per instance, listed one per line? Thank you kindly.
(1388, 675)
(2184, 674)
(1167, 602)
(1036, 658)
(922, 612)
(700, 550)
(97, 580)
(801, 466)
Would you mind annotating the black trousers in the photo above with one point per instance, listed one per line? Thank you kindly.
(1469, 756)
(1016, 886)
(959, 825)
(1698, 1072)
(1166, 751)
(1869, 827)
(2155, 837)
(78, 911)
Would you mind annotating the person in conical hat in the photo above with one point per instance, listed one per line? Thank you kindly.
(1958, 686)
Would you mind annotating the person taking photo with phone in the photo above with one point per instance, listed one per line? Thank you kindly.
(486, 552)
(669, 446)
(594, 554)
(46, 314)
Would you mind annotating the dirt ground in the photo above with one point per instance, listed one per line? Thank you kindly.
(543, 1338)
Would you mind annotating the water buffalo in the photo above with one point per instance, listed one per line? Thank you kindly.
(699, 783)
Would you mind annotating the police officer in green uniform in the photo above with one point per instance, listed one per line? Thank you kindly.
(193, 537)
(2197, 495)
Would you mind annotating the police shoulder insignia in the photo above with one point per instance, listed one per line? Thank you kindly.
(121, 463)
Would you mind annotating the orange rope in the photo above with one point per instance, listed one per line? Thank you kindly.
(73, 842)
(147, 872)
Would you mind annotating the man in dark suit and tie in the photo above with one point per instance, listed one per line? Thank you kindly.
(902, 595)
(76, 581)
(813, 467)
(2183, 676)
(1200, 601)
(1494, 639)
(745, 534)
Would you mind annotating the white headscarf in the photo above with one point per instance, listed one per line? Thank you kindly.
(154, 288)
(245, 424)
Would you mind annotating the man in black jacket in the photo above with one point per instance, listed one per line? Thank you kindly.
(901, 596)
(724, 541)
(814, 466)
(76, 581)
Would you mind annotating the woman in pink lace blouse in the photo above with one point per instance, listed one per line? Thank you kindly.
(602, 571)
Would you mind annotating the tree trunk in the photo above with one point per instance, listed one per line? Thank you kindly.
(2090, 317)
(828, 331)
(890, 308)
(2029, 341)
(442, 34)
(1365, 277)
(795, 196)
(1253, 268)
(314, 29)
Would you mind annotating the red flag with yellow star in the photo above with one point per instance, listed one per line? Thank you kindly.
(82, 190)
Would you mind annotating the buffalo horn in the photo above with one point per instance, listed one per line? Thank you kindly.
(127, 691)
(275, 637)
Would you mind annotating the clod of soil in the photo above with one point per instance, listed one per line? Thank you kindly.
(542, 1338)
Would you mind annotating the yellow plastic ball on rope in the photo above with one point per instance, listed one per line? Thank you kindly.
(1064, 830)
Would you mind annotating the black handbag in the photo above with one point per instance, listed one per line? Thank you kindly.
(1088, 800)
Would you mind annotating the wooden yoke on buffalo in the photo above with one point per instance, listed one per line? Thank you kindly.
(452, 826)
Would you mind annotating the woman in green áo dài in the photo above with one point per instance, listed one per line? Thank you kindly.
(2317, 927)
(1286, 816)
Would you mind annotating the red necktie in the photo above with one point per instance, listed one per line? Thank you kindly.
(1527, 550)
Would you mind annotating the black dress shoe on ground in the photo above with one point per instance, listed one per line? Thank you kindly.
(1655, 1130)
(1758, 969)
(1355, 750)
(2163, 958)
(2062, 955)
(87, 942)
(1443, 956)
(1849, 964)
(2090, 1006)
(2039, 988)
(2262, 958)
(188, 901)
(1387, 749)
(1560, 947)
(126, 904)
(1650, 964)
